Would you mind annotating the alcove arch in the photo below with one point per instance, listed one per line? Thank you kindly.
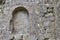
(20, 20)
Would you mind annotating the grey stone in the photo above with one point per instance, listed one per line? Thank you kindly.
(29, 18)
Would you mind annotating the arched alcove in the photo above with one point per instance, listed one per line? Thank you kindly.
(20, 20)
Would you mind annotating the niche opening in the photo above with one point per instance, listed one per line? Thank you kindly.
(20, 20)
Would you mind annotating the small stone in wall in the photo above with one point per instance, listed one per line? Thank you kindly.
(38, 25)
(50, 9)
(49, 15)
(50, 18)
(9, 0)
(47, 23)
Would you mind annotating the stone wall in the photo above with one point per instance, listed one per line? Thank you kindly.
(30, 20)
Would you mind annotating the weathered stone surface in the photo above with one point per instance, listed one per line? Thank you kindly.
(29, 20)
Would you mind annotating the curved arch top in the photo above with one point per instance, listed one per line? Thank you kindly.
(20, 9)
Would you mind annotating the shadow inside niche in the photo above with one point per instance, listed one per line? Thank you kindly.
(46, 39)
(12, 38)
(37, 39)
